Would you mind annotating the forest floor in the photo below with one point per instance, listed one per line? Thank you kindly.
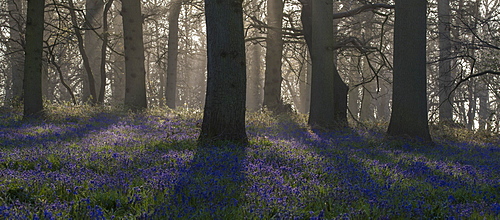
(99, 163)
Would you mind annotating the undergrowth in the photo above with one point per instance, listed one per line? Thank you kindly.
(107, 163)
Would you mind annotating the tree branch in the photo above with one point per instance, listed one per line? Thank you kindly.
(474, 75)
(361, 9)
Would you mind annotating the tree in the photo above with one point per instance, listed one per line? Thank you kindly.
(135, 73)
(409, 100)
(445, 77)
(328, 92)
(224, 115)
(274, 42)
(173, 51)
(104, 46)
(33, 104)
(92, 43)
(15, 47)
(85, 58)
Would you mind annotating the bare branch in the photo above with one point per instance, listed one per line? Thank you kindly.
(361, 10)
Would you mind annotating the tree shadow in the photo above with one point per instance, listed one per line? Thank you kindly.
(212, 187)
(31, 133)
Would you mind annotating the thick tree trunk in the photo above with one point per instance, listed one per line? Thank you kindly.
(445, 78)
(328, 92)
(173, 51)
(274, 41)
(224, 115)
(15, 46)
(135, 73)
(409, 100)
(33, 104)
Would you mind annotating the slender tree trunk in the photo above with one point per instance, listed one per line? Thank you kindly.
(104, 46)
(471, 113)
(118, 61)
(409, 100)
(383, 103)
(92, 45)
(33, 103)
(274, 41)
(224, 115)
(481, 85)
(445, 78)
(366, 112)
(305, 86)
(353, 102)
(173, 51)
(135, 73)
(254, 87)
(47, 90)
(81, 48)
(15, 46)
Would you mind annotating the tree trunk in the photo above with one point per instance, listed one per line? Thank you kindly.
(471, 112)
(366, 112)
(482, 91)
(224, 115)
(33, 103)
(409, 100)
(173, 51)
(328, 92)
(305, 86)
(353, 101)
(135, 73)
(254, 87)
(274, 42)
(445, 78)
(15, 46)
(86, 61)
(92, 45)
(383, 102)
(117, 61)
(104, 46)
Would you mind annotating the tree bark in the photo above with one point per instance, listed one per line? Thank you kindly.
(104, 46)
(366, 112)
(328, 92)
(117, 61)
(224, 115)
(254, 87)
(353, 101)
(33, 103)
(81, 48)
(305, 86)
(15, 46)
(173, 51)
(445, 78)
(274, 42)
(92, 43)
(409, 101)
(135, 73)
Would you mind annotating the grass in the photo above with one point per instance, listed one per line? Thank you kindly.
(99, 163)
